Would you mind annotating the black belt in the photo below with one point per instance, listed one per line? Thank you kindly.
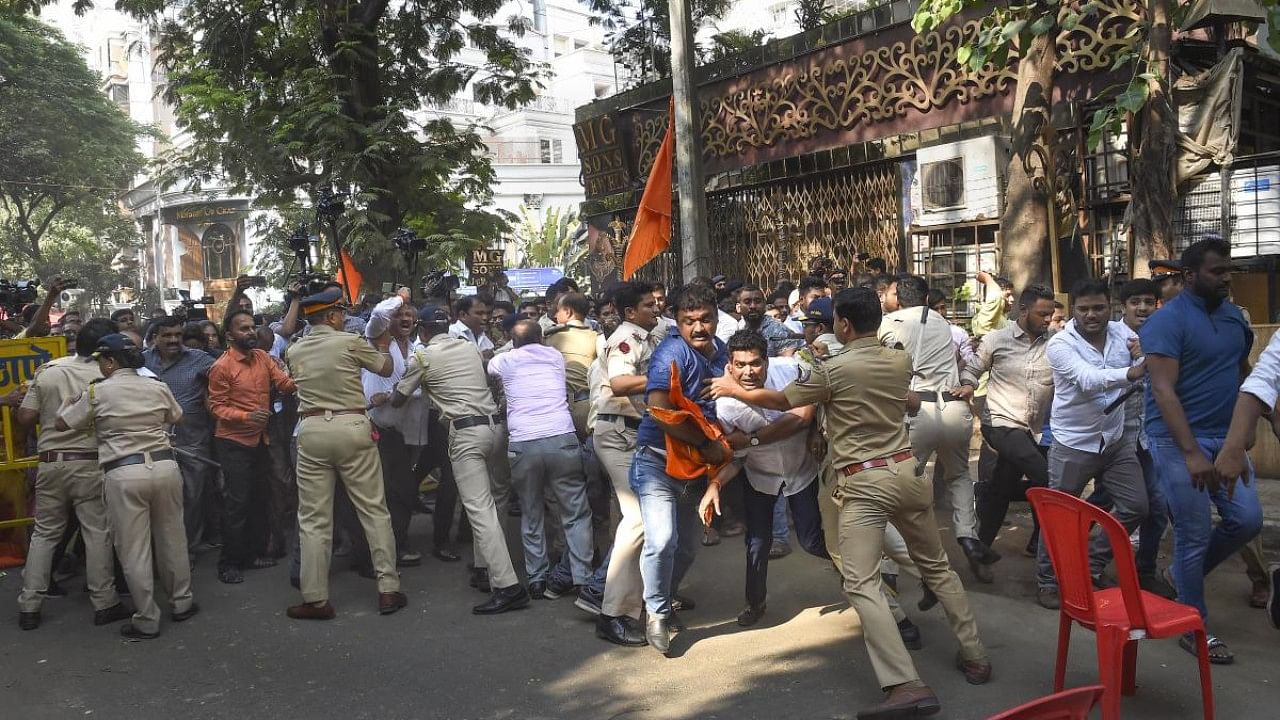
(137, 459)
(932, 396)
(631, 422)
(581, 396)
(476, 420)
(53, 456)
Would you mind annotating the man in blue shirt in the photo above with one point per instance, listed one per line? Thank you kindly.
(1197, 348)
(669, 507)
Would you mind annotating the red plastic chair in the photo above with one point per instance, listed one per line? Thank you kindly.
(1120, 616)
(1072, 704)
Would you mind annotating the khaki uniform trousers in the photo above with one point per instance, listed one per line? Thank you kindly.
(868, 501)
(332, 448)
(472, 451)
(63, 488)
(896, 559)
(623, 586)
(945, 430)
(144, 503)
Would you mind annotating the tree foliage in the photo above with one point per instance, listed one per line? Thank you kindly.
(67, 150)
(732, 42)
(638, 33)
(811, 13)
(554, 239)
(284, 97)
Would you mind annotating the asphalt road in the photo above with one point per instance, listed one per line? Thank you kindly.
(241, 658)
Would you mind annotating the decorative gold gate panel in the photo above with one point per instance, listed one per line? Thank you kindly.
(766, 232)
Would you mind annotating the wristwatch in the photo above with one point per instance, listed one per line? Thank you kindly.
(755, 440)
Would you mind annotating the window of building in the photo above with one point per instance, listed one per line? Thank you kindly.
(552, 151)
(780, 13)
(119, 94)
(219, 249)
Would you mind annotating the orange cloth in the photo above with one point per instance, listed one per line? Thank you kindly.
(651, 233)
(240, 383)
(684, 461)
(350, 277)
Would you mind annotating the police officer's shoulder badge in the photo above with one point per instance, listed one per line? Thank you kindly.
(624, 347)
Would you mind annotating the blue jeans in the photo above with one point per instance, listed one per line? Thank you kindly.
(781, 524)
(672, 529)
(1152, 529)
(1198, 545)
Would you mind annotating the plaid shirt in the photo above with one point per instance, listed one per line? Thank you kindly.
(187, 378)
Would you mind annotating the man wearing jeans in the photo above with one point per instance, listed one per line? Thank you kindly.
(544, 453)
(240, 385)
(1197, 349)
(669, 507)
(1093, 361)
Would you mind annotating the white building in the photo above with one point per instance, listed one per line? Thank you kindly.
(200, 241)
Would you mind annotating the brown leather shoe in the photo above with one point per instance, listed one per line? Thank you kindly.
(391, 602)
(311, 611)
(904, 702)
(976, 672)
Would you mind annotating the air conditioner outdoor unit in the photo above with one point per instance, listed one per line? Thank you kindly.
(959, 182)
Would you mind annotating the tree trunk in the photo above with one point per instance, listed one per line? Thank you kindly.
(1024, 227)
(1153, 147)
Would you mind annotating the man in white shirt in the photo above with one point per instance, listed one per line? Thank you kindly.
(1093, 362)
(811, 288)
(472, 315)
(544, 453)
(774, 447)
(944, 424)
(402, 431)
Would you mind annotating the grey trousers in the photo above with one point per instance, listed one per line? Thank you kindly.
(1116, 468)
(552, 464)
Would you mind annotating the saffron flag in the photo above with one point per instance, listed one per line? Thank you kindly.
(349, 277)
(651, 233)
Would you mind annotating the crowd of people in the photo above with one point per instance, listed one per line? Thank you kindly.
(627, 429)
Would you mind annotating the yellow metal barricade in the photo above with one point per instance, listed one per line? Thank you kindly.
(18, 362)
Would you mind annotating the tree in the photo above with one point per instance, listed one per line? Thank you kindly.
(639, 33)
(557, 239)
(68, 151)
(811, 14)
(284, 99)
(733, 42)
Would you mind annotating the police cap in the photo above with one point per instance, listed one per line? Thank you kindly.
(1164, 268)
(433, 315)
(114, 343)
(821, 311)
(330, 297)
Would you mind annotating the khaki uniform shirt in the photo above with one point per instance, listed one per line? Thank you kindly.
(863, 392)
(577, 343)
(326, 366)
(1021, 384)
(55, 383)
(129, 413)
(929, 343)
(451, 372)
(627, 352)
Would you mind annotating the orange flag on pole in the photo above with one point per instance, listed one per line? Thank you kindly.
(651, 233)
(349, 276)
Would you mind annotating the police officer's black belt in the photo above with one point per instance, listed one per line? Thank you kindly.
(582, 395)
(931, 396)
(475, 421)
(136, 459)
(51, 456)
(633, 423)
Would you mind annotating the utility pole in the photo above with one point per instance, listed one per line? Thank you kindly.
(694, 248)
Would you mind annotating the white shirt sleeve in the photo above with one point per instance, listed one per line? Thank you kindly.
(380, 317)
(1264, 382)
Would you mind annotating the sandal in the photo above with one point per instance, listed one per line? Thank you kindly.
(263, 563)
(1218, 652)
(230, 576)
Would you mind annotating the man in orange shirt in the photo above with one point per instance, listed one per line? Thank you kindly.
(240, 385)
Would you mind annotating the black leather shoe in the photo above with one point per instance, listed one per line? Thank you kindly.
(445, 555)
(975, 550)
(620, 631)
(54, 590)
(29, 620)
(115, 613)
(910, 634)
(981, 571)
(658, 633)
(675, 623)
(187, 614)
(557, 588)
(504, 599)
(750, 615)
(130, 631)
(927, 598)
(537, 590)
(680, 603)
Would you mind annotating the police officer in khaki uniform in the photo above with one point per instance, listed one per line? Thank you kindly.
(578, 344)
(451, 372)
(141, 484)
(68, 480)
(335, 441)
(619, 410)
(864, 391)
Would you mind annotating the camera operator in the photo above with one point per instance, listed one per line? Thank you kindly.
(36, 324)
